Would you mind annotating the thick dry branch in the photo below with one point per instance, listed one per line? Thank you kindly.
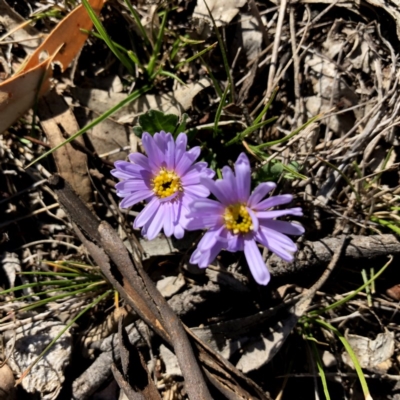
(320, 253)
(139, 291)
(135, 379)
(124, 276)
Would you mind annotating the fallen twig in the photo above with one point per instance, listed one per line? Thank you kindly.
(320, 253)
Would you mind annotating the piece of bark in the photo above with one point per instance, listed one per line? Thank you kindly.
(320, 253)
(141, 294)
(134, 285)
(58, 123)
(135, 379)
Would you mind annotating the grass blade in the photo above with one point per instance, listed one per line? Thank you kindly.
(104, 35)
(136, 17)
(320, 367)
(352, 355)
(91, 305)
(223, 52)
(354, 293)
(133, 96)
(219, 111)
(197, 55)
(157, 46)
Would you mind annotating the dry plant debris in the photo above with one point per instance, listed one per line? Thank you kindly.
(136, 318)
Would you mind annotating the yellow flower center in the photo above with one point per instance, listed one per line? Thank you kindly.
(237, 219)
(166, 183)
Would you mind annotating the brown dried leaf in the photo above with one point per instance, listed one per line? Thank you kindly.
(19, 93)
(67, 34)
(56, 118)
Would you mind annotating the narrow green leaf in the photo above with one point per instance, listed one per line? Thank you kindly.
(352, 355)
(182, 125)
(354, 293)
(91, 305)
(170, 75)
(320, 367)
(197, 55)
(219, 111)
(103, 33)
(242, 135)
(157, 47)
(133, 96)
(288, 137)
(136, 17)
(223, 52)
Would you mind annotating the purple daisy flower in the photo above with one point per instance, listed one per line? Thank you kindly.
(168, 179)
(238, 219)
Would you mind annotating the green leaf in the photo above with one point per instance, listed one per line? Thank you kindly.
(292, 170)
(138, 131)
(269, 172)
(155, 121)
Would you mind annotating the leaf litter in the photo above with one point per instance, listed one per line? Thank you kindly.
(338, 60)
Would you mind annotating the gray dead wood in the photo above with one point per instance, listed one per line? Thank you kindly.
(320, 253)
(262, 350)
(134, 379)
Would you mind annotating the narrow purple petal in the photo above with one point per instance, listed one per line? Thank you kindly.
(288, 228)
(235, 243)
(206, 206)
(279, 213)
(131, 185)
(208, 173)
(187, 160)
(153, 228)
(134, 198)
(180, 219)
(168, 219)
(277, 247)
(154, 154)
(260, 192)
(126, 170)
(140, 160)
(192, 175)
(197, 191)
(179, 232)
(204, 222)
(254, 219)
(215, 188)
(228, 185)
(208, 240)
(204, 259)
(196, 256)
(273, 201)
(243, 177)
(180, 147)
(161, 138)
(256, 263)
(147, 213)
(192, 178)
(279, 237)
(169, 154)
